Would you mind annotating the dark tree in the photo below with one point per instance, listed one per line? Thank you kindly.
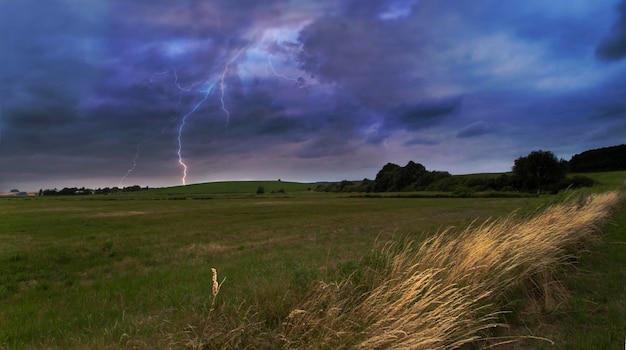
(366, 185)
(385, 179)
(601, 159)
(68, 191)
(411, 174)
(540, 171)
(49, 192)
(135, 188)
(411, 177)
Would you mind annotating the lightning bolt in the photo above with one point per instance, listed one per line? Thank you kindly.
(298, 82)
(269, 63)
(222, 83)
(137, 152)
(178, 85)
(134, 163)
(182, 126)
(210, 85)
(182, 89)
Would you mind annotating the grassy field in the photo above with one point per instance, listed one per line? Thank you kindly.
(236, 187)
(134, 270)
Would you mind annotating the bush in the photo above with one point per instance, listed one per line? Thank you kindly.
(463, 191)
(447, 184)
(581, 181)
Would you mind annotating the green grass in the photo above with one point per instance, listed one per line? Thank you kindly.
(233, 187)
(83, 272)
(594, 317)
(608, 180)
(133, 271)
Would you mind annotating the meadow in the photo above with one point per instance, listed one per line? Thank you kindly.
(133, 270)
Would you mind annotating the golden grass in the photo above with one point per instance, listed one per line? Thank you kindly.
(448, 291)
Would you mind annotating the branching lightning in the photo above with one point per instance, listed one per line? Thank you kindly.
(210, 84)
(175, 72)
(182, 126)
(146, 140)
(137, 152)
(269, 63)
(299, 82)
(134, 162)
(222, 84)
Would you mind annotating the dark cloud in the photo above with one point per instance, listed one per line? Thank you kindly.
(614, 46)
(373, 61)
(608, 106)
(330, 143)
(473, 130)
(281, 125)
(91, 90)
(422, 115)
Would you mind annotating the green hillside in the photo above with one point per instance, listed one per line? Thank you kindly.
(233, 187)
(607, 180)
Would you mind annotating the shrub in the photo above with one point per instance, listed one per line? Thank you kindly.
(463, 191)
(581, 181)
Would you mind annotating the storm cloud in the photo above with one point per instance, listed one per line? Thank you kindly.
(103, 93)
(614, 46)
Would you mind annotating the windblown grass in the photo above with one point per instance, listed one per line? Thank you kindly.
(449, 290)
(104, 272)
(133, 272)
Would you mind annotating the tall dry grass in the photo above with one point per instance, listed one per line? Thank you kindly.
(225, 326)
(448, 291)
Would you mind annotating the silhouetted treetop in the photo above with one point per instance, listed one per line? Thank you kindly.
(601, 159)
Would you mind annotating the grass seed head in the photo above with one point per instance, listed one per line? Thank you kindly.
(216, 286)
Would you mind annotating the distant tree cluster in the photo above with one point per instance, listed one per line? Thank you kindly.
(82, 191)
(346, 186)
(601, 159)
(540, 171)
(411, 177)
(391, 178)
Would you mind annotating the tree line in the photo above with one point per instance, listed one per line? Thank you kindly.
(82, 191)
(597, 160)
(540, 171)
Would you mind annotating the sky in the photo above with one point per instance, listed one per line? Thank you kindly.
(104, 93)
